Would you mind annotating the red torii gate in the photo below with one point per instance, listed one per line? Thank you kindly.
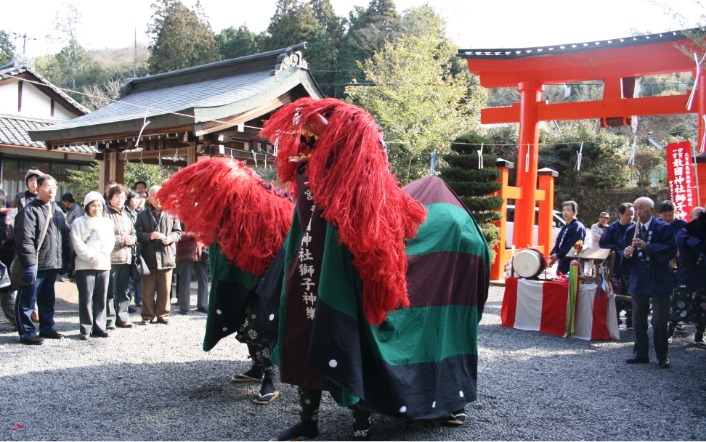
(617, 63)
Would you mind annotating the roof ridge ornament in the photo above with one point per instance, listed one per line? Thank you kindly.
(291, 57)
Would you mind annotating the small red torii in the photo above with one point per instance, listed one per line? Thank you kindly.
(617, 63)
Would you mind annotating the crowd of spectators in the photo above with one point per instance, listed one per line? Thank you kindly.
(118, 247)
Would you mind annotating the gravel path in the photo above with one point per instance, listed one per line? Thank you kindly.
(154, 382)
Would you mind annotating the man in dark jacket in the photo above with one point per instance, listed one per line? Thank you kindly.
(611, 239)
(158, 232)
(646, 252)
(689, 294)
(41, 266)
(573, 231)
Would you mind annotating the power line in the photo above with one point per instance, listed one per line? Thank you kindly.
(164, 111)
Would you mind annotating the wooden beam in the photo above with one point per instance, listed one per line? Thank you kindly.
(236, 120)
(191, 154)
(582, 110)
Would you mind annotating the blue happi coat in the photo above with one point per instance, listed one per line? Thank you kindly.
(611, 239)
(650, 273)
(568, 235)
(692, 270)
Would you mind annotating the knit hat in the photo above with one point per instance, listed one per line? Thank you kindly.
(31, 172)
(90, 197)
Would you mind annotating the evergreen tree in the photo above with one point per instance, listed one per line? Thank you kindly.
(180, 37)
(473, 185)
(234, 43)
(370, 30)
(7, 49)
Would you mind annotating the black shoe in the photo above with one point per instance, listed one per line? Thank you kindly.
(34, 340)
(664, 363)
(131, 310)
(138, 304)
(164, 321)
(202, 310)
(637, 361)
(125, 325)
(99, 334)
(252, 375)
(183, 313)
(267, 392)
(52, 335)
(308, 429)
(110, 327)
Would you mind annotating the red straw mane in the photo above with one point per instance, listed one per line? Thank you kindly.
(222, 200)
(351, 183)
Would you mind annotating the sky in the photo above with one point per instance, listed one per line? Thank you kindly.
(480, 24)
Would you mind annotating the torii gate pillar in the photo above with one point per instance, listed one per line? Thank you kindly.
(528, 160)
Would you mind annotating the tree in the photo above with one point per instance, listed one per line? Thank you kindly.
(84, 181)
(180, 37)
(234, 43)
(73, 67)
(67, 21)
(473, 185)
(602, 163)
(100, 95)
(7, 49)
(370, 30)
(646, 161)
(419, 104)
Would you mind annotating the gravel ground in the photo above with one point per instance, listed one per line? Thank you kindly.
(154, 382)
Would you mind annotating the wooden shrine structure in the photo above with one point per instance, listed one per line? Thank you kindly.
(172, 118)
(618, 63)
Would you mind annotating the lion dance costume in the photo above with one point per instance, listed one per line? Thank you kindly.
(380, 288)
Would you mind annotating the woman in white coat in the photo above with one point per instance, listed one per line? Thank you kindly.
(92, 239)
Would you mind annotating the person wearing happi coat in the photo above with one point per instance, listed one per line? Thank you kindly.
(689, 294)
(611, 239)
(646, 253)
(572, 232)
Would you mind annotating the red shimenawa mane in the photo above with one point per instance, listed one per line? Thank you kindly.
(350, 180)
(222, 200)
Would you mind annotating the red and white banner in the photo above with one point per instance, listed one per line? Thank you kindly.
(542, 306)
(680, 173)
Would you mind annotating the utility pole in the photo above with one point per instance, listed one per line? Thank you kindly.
(24, 38)
(134, 63)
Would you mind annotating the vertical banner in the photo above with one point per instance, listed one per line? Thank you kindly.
(680, 174)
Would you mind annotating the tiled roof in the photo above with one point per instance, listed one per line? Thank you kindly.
(192, 96)
(507, 53)
(13, 69)
(13, 132)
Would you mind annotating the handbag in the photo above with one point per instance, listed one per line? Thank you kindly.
(138, 269)
(5, 279)
(16, 268)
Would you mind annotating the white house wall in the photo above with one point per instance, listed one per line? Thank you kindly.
(35, 104)
(61, 113)
(8, 98)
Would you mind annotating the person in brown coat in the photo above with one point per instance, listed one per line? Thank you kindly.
(158, 232)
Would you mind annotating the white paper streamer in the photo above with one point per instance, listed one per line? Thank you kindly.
(144, 125)
(254, 157)
(579, 154)
(631, 160)
(527, 158)
(480, 156)
(696, 79)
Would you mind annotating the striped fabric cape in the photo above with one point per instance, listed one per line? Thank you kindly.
(420, 363)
